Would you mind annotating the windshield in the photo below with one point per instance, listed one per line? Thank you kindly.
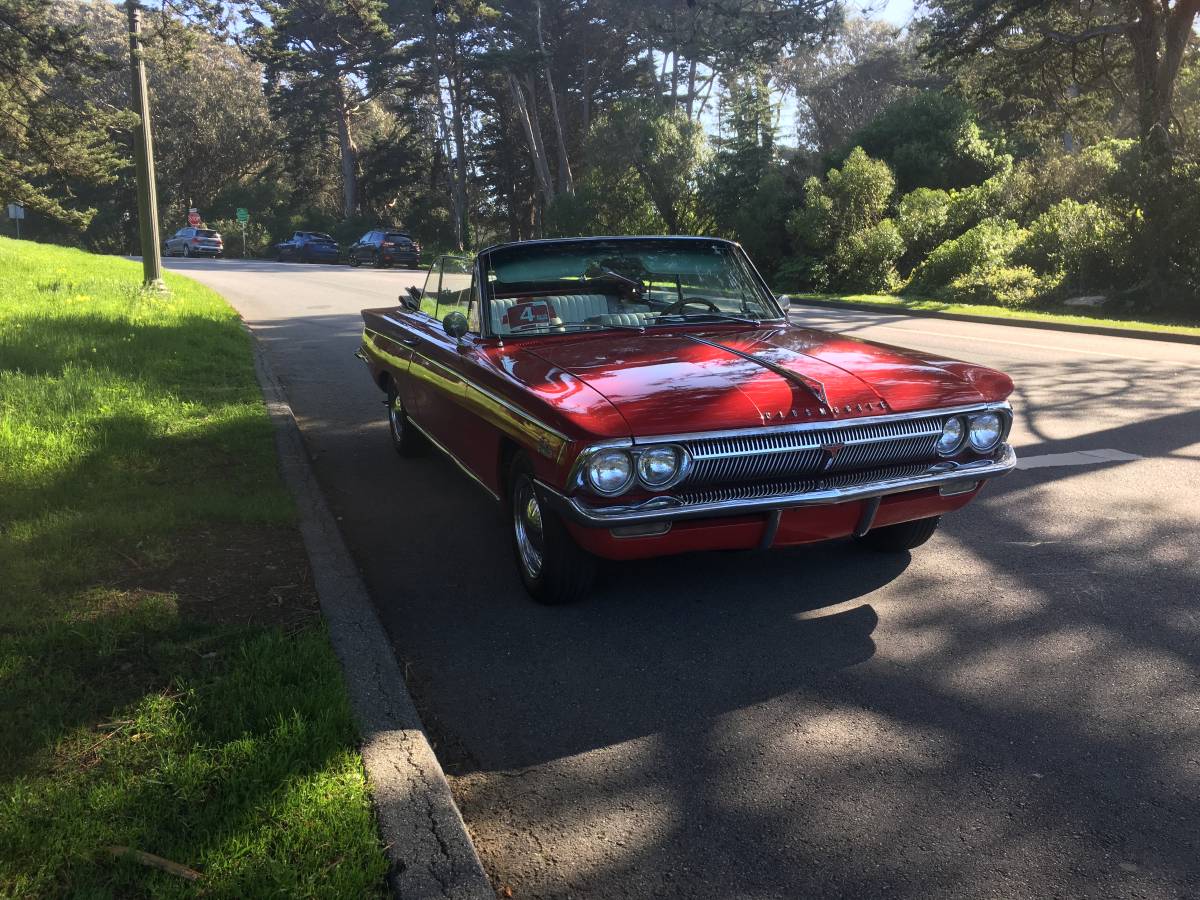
(204, 232)
(594, 284)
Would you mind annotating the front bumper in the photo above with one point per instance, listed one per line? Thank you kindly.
(669, 509)
(410, 260)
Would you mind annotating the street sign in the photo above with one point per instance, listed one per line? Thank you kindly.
(243, 215)
(16, 212)
(193, 217)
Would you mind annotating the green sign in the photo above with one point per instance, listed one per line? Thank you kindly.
(243, 215)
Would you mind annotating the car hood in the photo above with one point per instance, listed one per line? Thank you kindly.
(702, 380)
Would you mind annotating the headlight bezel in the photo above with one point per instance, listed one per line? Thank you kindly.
(645, 458)
(1000, 429)
(603, 453)
(957, 446)
(581, 477)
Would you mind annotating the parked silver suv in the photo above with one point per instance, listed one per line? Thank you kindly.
(194, 242)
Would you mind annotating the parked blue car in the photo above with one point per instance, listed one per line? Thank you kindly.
(308, 246)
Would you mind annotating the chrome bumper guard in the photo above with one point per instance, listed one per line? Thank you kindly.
(669, 509)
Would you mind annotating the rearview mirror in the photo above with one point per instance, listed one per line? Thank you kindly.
(413, 300)
(784, 301)
(455, 324)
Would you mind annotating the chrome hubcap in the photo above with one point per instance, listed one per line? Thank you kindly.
(527, 525)
(396, 417)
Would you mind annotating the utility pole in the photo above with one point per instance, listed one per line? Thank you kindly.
(143, 151)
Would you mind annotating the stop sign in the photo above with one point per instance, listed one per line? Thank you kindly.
(193, 217)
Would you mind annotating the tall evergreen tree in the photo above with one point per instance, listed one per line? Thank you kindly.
(53, 137)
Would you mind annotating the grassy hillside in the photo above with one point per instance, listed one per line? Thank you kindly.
(165, 682)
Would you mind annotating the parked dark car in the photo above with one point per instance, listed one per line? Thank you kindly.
(308, 246)
(385, 247)
(194, 242)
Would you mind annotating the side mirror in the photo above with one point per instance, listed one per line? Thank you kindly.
(413, 300)
(455, 324)
(785, 302)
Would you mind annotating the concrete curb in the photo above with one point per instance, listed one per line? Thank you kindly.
(430, 852)
(993, 320)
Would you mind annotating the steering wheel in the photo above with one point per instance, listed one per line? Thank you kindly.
(678, 305)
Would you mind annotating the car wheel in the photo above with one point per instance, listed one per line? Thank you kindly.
(353, 260)
(405, 439)
(901, 537)
(553, 567)
(377, 262)
(187, 251)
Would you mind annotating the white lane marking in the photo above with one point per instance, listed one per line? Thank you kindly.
(1075, 458)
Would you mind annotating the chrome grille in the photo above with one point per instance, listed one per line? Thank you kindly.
(771, 455)
(798, 486)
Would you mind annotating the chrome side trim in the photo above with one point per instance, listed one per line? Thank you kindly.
(669, 509)
(454, 459)
(495, 398)
(824, 425)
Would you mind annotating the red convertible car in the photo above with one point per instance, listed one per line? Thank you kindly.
(641, 396)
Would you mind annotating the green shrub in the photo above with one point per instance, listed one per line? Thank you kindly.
(866, 260)
(1017, 287)
(930, 139)
(1081, 242)
(986, 246)
(258, 240)
(1082, 176)
(850, 200)
(802, 273)
(921, 220)
(1006, 195)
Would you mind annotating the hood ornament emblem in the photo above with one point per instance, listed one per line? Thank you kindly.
(833, 450)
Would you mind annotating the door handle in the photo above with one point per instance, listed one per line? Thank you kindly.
(409, 342)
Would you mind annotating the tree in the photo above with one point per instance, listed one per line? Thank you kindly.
(53, 137)
(335, 55)
(849, 80)
(930, 139)
(667, 152)
(1144, 39)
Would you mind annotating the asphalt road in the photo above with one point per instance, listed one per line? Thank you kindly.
(1014, 711)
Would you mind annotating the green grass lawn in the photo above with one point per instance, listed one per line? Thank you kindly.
(165, 682)
(1001, 312)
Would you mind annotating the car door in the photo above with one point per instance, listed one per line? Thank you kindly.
(441, 365)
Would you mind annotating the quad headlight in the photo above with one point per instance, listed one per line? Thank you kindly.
(610, 471)
(985, 431)
(952, 436)
(614, 470)
(658, 466)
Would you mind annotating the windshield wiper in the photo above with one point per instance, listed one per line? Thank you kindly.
(638, 328)
(721, 317)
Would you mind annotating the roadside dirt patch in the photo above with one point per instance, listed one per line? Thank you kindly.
(237, 575)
